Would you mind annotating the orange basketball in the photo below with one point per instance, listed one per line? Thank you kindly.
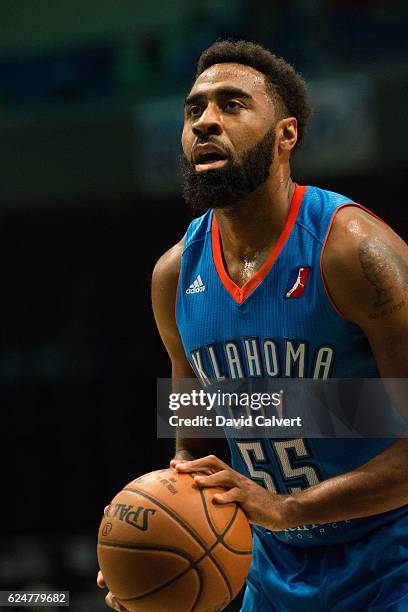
(164, 545)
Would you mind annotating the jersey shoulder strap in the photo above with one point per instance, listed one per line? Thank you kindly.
(198, 229)
(318, 209)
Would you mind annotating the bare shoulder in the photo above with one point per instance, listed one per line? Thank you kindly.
(358, 236)
(365, 265)
(164, 289)
(167, 269)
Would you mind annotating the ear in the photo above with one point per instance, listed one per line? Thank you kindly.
(286, 134)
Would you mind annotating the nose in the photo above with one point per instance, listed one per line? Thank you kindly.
(208, 122)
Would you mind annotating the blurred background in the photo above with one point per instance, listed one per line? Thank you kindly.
(91, 99)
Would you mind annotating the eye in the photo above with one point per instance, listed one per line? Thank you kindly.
(232, 105)
(194, 111)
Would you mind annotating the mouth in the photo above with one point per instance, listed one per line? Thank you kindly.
(207, 158)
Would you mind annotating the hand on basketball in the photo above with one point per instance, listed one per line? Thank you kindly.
(261, 507)
(110, 599)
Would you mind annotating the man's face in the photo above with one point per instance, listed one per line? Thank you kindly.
(228, 136)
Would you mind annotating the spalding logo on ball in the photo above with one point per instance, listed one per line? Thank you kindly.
(163, 544)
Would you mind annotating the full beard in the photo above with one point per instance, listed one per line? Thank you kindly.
(229, 185)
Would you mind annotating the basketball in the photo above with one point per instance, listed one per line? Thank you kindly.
(163, 544)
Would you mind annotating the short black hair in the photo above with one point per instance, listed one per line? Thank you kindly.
(284, 84)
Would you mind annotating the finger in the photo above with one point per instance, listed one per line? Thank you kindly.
(110, 601)
(174, 462)
(201, 470)
(119, 606)
(219, 479)
(233, 494)
(198, 465)
(113, 603)
(100, 581)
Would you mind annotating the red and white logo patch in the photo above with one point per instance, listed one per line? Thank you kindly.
(297, 282)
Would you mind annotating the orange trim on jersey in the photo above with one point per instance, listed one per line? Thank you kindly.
(324, 246)
(241, 293)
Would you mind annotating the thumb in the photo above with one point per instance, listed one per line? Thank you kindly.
(228, 496)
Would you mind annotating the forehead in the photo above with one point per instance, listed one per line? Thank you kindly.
(232, 75)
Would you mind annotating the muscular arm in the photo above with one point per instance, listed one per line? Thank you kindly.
(164, 288)
(365, 266)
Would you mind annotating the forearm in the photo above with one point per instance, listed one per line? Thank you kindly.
(378, 486)
(186, 448)
(193, 448)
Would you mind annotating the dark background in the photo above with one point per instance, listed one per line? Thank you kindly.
(90, 117)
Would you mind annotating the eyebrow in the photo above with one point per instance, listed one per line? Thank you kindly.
(221, 92)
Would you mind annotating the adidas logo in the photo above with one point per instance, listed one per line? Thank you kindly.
(196, 287)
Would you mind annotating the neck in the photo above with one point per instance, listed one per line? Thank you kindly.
(255, 223)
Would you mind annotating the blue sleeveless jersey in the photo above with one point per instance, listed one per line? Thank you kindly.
(281, 323)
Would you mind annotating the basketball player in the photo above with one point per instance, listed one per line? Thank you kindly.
(290, 281)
